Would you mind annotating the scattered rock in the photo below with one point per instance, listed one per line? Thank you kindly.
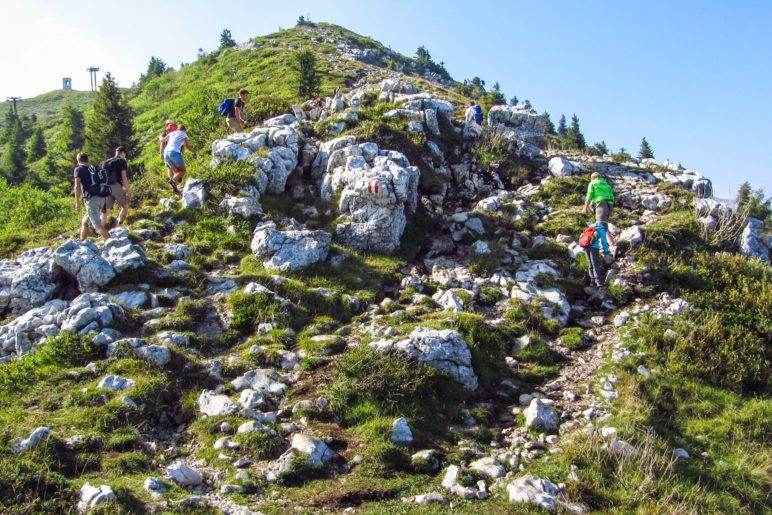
(400, 431)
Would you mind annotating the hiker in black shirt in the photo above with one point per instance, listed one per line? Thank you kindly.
(235, 118)
(117, 169)
(94, 204)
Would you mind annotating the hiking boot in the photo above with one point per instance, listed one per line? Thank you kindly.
(174, 185)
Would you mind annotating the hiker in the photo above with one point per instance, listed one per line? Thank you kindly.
(591, 241)
(473, 113)
(94, 199)
(601, 197)
(176, 141)
(169, 126)
(235, 118)
(117, 178)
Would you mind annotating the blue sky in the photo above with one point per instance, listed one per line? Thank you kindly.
(693, 77)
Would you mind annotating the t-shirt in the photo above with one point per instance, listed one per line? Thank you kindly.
(176, 140)
(470, 115)
(81, 172)
(238, 103)
(114, 167)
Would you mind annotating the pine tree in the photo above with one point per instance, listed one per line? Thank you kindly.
(575, 136)
(514, 100)
(646, 151)
(110, 124)
(72, 134)
(423, 57)
(36, 147)
(526, 104)
(12, 163)
(155, 68)
(226, 40)
(307, 73)
(562, 127)
(548, 125)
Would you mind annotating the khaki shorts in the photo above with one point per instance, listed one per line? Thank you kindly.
(94, 207)
(234, 124)
(118, 197)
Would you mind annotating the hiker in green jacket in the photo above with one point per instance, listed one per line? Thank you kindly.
(601, 197)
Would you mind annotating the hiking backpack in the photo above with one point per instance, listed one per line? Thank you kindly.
(226, 106)
(585, 240)
(478, 114)
(113, 173)
(99, 186)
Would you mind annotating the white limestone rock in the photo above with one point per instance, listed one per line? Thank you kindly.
(82, 260)
(184, 475)
(539, 415)
(92, 496)
(194, 194)
(751, 243)
(265, 381)
(116, 383)
(562, 167)
(442, 349)
(289, 250)
(533, 490)
(400, 431)
(215, 405)
(22, 445)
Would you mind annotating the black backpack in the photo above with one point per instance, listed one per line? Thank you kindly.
(112, 166)
(99, 187)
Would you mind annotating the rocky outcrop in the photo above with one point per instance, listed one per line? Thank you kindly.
(751, 243)
(246, 205)
(441, 349)
(519, 123)
(272, 150)
(375, 187)
(27, 281)
(289, 250)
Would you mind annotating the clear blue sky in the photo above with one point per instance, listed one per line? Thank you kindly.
(693, 77)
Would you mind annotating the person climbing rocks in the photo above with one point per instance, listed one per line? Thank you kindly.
(84, 194)
(473, 113)
(177, 142)
(169, 126)
(591, 241)
(235, 118)
(117, 178)
(600, 197)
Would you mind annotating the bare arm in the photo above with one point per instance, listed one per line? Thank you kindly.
(186, 145)
(125, 182)
(77, 192)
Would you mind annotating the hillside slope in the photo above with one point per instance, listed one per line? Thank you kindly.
(367, 305)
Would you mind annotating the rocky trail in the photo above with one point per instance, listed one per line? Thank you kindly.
(255, 346)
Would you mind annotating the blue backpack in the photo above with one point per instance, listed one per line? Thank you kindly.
(226, 106)
(478, 114)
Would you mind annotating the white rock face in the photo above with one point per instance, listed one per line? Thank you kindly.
(23, 445)
(656, 202)
(184, 475)
(400, 431)
(633, 234)
(533, 490)
(214, 405)
(449, 300)
(317, 451)
(524, 125)
(265, 381)
(272, 166)
(193, 194)
(442, 349)
(27, 281)
(156, 354)
(751, 243)
(289, 250)
(562, 167)
(376, 188)
(246, 205)
(539, 415)
(82, 260)
(131, 299)
(92, 496)
(174, 339)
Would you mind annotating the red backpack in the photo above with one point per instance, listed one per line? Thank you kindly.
(585, 240)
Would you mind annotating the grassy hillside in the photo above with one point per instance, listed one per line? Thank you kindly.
(46, 107)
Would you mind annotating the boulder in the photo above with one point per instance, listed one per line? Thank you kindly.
(265, 381)
(23, 445)
(400, 431)
(489, 466)
(184, 475)
(633, 235)
(92, 496)
(214, 405)
(131, 299)
(115, 383)
(247, 205)
(540, 416)
(26, 282)
(751, 243)
(121, 253)
(317, 451)
(533, 490)
(156, 354)
(193, 194)
(289, 250)
(442, 349)
(524, 125)
(82, 260)
(376, 188)
(562, 167)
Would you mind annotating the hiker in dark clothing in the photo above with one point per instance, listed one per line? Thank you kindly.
(235, 118)
(95, 204)
(117, 170)
(592, 241)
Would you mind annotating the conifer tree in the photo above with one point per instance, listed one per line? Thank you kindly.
(155, 68)
(36, 147)
(575, 136)
(110, 124)
(548, 125)
(307, 73)
(562, 127)
(72, 134)
(514, 100)
(12, 163)
(226, 40)
(645, 151)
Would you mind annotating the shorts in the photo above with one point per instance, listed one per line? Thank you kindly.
(234, 124)
(602, 211)
(174, 160)
(94, 206)
(118, 197)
